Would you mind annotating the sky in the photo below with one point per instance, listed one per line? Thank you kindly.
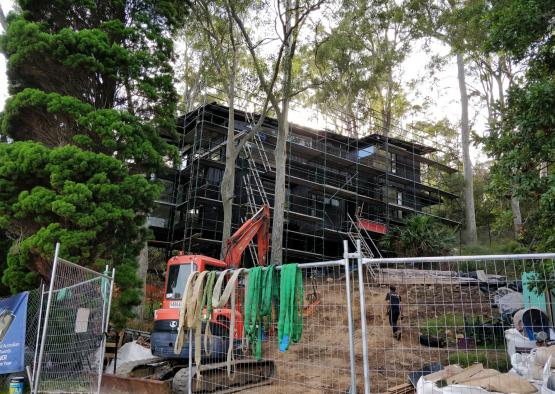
(6, 6)
(443, 90)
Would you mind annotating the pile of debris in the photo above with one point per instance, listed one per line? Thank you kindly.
(475, 379)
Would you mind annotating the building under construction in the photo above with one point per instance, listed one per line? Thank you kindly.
(338, 186)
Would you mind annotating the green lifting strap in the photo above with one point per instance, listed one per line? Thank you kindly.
(290, 324)
(262, 293)
(207, 295)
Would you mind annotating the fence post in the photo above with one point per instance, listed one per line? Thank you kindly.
(190, 375)
(34, 369)
(45, 327)
(105, 324)
(363, 320)
(350, 316)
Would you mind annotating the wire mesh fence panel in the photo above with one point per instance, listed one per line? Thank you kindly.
(318, 363)
(71, 353)
(425, 314)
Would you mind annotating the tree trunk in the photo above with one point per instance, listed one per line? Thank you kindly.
(279, 191)
(470, 215)
(517, 216)
(3, 22)
(141, 274)
(280, 151)
(515, 201)
(227, 187)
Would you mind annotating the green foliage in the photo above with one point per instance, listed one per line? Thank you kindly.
(494, 360)
(524, 142)
(109, 131)
(420, 235)
(87, 201)
(91, 86)
(116, 55)
(437, 327)
(356, 62)
(499, 247)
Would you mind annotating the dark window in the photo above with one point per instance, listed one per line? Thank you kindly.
(177, 279)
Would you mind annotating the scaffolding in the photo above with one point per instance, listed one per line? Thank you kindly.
(340, 183)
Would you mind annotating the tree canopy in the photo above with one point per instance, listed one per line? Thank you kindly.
(91, 111)
(523, 144)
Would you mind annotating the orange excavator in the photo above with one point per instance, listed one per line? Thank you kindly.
(166, 319)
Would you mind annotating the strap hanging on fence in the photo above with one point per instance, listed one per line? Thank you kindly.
(219, 300)
(207, 303)
(262, 294)
(290, 324)
(190, 314)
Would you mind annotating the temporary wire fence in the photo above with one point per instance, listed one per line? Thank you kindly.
(71, 328)
(454, 312)
(319, 362)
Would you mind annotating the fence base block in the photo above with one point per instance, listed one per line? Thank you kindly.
(112, 384)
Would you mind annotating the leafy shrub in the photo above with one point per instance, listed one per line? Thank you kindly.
(420, 235)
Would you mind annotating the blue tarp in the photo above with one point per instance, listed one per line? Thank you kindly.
(13, 320)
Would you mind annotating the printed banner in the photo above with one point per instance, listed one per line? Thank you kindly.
(13, 319)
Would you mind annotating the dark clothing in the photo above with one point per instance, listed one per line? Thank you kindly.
(393, 309)
(393, 318)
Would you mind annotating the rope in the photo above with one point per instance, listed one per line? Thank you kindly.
(190, 314)
(181, 326)
(290, 323)
(219, 300)
(262, 292)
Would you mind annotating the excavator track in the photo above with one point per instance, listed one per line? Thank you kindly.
(246, 374)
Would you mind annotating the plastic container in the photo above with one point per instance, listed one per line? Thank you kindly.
(515, 340)
(17, 385)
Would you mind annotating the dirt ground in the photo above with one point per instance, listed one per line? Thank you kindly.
(319, 363)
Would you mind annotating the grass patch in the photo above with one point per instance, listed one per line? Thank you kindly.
(439, 326)
(449, 325)
(498, 360)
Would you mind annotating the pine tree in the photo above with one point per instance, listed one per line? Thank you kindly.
(91, 109)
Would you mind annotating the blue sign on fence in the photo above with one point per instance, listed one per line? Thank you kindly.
(13, 319)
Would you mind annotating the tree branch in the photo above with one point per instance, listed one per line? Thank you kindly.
(268, 88)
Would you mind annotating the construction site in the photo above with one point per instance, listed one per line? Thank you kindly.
(340, 184)
(345, 191)
(342, 314)
(270, 197)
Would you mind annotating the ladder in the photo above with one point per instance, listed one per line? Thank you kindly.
(253, 182)
(258, 144)
(356, 233)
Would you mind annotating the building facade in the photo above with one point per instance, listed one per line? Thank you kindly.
(338, 186)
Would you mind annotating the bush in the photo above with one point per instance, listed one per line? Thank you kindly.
(438, 326)
(420, 235)
(486, 336)
(499, 247)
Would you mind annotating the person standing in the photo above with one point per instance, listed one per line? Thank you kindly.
(393, 300)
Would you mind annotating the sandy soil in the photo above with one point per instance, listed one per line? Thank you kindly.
(319, 363)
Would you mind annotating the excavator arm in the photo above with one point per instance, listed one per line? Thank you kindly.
(259, 226)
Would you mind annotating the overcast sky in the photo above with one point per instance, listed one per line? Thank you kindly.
(443, 90)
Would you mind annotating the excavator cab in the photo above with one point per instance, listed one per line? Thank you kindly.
(178, 272)
(166, 318)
